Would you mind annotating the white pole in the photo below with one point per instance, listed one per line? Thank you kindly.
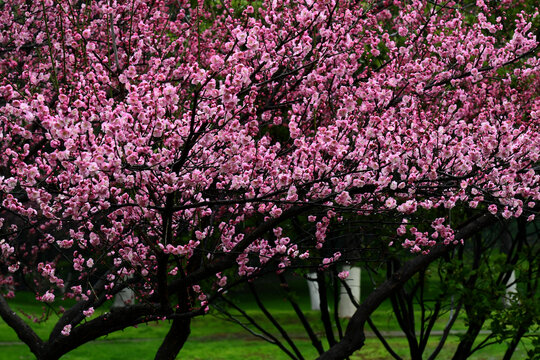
(511, 289)
(313, 288)
(346, 307)
(124, 297)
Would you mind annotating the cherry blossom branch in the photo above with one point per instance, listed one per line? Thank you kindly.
(103, 325)
(482, 69)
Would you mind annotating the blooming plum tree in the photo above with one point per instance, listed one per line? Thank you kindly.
(156, 145)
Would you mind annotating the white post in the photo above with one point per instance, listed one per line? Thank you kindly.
(511, 289)
(124, 297)
(313, 288)
(346, 307)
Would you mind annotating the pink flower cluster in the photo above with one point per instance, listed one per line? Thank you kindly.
(150, 139)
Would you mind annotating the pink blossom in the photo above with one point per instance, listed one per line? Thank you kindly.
(390, 203)
(47, 297)
(66, 330)
(149, 135)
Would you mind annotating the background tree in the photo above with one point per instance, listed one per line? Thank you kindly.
(473, 279)
(470, 282)
(156, 145)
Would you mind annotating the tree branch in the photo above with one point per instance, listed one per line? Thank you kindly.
(354, 336)
(24, 332)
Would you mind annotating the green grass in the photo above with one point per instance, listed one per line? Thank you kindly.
(214, 338)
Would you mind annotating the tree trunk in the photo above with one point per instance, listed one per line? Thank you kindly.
(175, 339)
(49, 355)
(515, 341)
(354, 335)
(464, 348)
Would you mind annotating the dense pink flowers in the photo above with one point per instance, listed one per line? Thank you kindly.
(146, 140)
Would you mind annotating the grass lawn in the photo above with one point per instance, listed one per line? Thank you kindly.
(215, 338)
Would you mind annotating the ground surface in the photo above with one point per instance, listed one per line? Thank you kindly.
(215, 338)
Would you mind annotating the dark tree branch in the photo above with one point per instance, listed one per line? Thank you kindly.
(74, 314)
(226, 260)
(274, 322)
(354, 335)
(179, 331)
(105, 324)
(382, 339)
(24, 332)
(445, 334)
(325, 315)
(370, 323)
(309, 330)
(335, 289)
(427, 330)
(266, 336)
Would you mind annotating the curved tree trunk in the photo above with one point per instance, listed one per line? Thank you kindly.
(354, 336)
(465, 346)
(175, 339)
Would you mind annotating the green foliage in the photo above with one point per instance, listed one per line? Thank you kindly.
(534, 353)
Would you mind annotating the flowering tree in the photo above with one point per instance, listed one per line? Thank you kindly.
(155, 145)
